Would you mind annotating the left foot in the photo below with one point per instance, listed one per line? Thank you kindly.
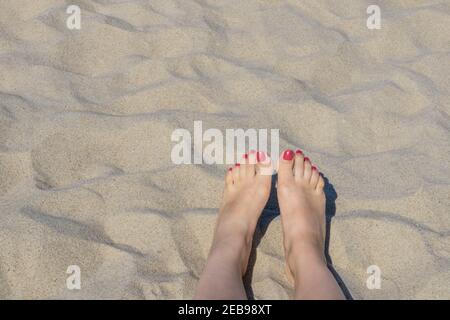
(245, 196)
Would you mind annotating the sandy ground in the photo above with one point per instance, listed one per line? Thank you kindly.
(86, 118)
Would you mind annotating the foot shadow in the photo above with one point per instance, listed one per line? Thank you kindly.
(330, 211)
(272, 210)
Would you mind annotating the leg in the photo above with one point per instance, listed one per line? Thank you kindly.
(245, 195)
(302, 205)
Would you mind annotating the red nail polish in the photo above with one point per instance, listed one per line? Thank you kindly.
(313, 168)
(298, 151)
(237, 165)
(288, 154)
(245, 156)
(230, 169)
(260, 156)
(306, 159)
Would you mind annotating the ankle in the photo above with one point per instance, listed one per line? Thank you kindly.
(304, 257)
(234, 232)
(231, 251)
(235, 242)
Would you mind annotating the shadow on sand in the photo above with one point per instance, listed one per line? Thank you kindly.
(271, 211)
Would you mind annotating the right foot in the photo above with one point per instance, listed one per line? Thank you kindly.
(302, 206)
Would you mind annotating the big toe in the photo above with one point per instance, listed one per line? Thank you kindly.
(285, 167)
(264, 167)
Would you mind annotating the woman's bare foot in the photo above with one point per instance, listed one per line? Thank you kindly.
(302, 205)
(245, 195)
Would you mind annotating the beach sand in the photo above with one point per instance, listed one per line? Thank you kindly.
(86, 118)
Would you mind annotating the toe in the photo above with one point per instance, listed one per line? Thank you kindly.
(229, 177)
(261, 157)
(236, 173)
(298, 165)
(250, 164)
(314, 176)
(286, 162)
(252, 157)
(320, 184)
(264, 172)
(307, 169)
(264, 164)
(243, 165)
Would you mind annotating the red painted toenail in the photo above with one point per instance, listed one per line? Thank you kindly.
(237, 165)
(288, 154)
(313, 168)
(260, 156)
(230, 169)
(298, 151)
(245, 156)
(306, 159)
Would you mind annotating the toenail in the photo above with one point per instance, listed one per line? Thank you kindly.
(298, 151)
(288, 154)
(306, 159)
(313, 168)
(245, 156)
(230, 169)
(237, 165)
(260, 156)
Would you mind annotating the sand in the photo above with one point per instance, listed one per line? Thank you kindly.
(86, 118)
